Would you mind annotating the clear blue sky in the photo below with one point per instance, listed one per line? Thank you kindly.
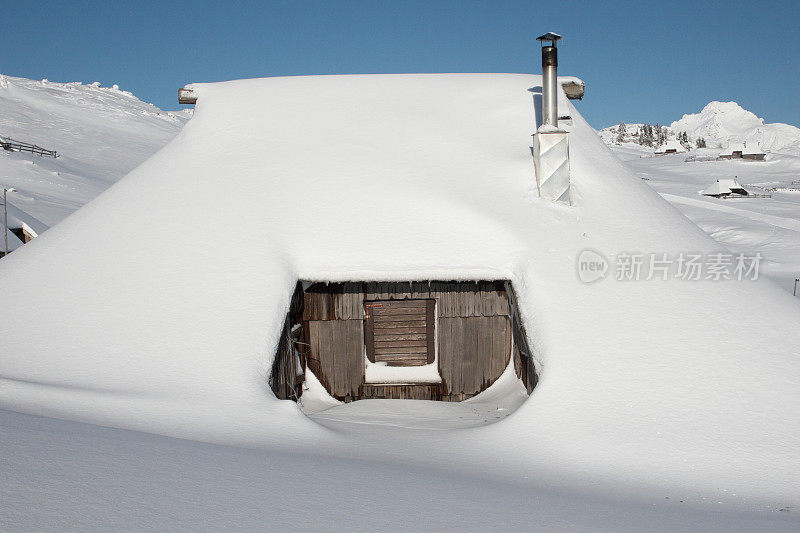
(642, 62)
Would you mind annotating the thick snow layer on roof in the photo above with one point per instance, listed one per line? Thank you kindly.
(752, 148)
(166, 319)
(722, 186)
(670, 145)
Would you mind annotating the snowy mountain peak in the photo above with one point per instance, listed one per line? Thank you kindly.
(723, 107)
(720, 124)
(722, 121)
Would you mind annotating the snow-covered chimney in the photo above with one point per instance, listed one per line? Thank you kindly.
(549, 78)
(550, 143)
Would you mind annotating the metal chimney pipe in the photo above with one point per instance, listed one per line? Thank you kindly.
(549, 78)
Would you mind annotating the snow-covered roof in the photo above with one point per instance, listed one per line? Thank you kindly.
(752, 149)
(722, 186)
(670, 145)
(733, 147)
(163, 299)
(17, 218)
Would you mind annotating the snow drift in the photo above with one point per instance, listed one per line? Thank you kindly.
(166, 320)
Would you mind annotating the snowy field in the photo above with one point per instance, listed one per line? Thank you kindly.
(138, 333)
(769, 226)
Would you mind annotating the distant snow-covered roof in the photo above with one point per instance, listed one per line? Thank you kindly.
(670, 145)
(733, 147)
(722, 186)
(752, 149)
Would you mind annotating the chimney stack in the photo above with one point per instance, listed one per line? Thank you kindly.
(550, 143)
(549, 78)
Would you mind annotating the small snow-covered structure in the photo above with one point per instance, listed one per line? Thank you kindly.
(732, 151)
(754, 153)
(725, 187)
(23, 225)
(670, 147)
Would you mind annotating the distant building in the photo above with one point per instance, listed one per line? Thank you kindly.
(725, 187)
(670, 147)
(742, 151)
(754, 154)
(733, 151)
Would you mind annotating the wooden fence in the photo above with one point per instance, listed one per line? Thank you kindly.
(18, 146)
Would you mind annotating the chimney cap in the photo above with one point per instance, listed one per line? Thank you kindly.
(549, 36)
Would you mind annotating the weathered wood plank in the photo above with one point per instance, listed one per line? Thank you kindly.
(336, 353)
(430, 333)
(369, 337)
(470, 361)
(411, 321)
(468, 297)
(404, 311)
(402, 391)
(445, 337)
(396, 304)
(355, 350)
(398, 328)
(501, 347)
(458, 354)
(383, 344)
(404, 336)
(405, 359)
(388, 350)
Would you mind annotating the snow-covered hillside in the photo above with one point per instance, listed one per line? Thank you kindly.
(100, 133)
(720, 124)
(769, 226)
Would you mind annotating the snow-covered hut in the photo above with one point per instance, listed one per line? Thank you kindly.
(754, 152)
(142, 311)
(725, 187)
(732, 151)
(670, 147)
(22, 227)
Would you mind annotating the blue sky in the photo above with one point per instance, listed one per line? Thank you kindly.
(641, 61)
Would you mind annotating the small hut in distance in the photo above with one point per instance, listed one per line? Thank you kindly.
(670, 147)
(754, 154)
(724, 188)
(742, 151)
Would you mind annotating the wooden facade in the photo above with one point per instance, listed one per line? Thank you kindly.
(470, 330)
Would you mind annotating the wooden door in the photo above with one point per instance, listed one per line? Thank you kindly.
(400, 332)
